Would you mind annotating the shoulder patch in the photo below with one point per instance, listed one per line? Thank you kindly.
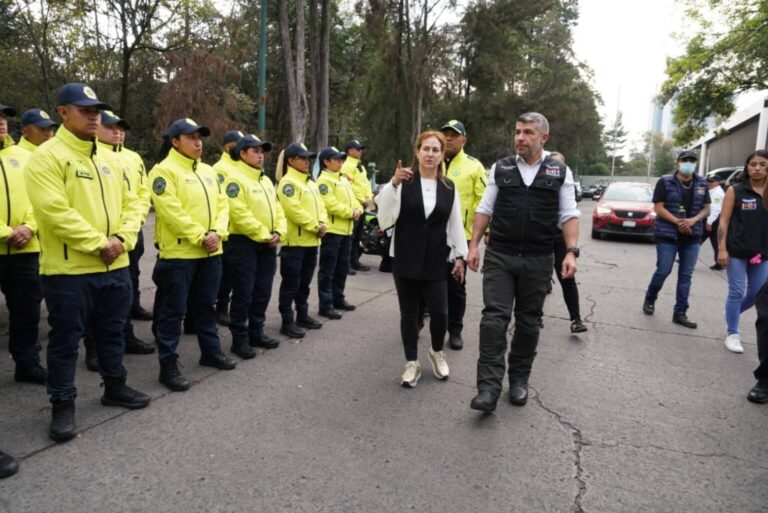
(323, 189)
(233, 190)
(158, 185)
(288, 190)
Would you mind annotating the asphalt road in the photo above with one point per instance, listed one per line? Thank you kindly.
(638, 414)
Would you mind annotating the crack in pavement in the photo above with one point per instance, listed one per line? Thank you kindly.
(588, 317)
(608, 264)
(578, 445)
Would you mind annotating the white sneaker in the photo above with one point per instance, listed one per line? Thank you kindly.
(411, 374)
(733, 344)
(439, 364)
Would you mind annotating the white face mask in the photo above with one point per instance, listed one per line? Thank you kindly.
(686, 168)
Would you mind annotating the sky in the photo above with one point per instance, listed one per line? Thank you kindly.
(626, 43)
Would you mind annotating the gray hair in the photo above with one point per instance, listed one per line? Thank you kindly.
(535, 117)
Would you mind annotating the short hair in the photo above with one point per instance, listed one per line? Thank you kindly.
(535, 117)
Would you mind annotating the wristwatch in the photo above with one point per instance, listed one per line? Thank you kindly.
(575, 251)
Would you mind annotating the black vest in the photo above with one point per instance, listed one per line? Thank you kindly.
(524, 220)
(748, 227)
(421, 243)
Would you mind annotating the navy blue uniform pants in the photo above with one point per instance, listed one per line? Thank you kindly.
(226, 286)
(101, 300)
(20, 283)
(254, 264)
(133, 267)
(334, 267)
(297, 266)
(761, 304)
(177, 280)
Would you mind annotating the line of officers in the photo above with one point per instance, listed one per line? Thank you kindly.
(71, 221)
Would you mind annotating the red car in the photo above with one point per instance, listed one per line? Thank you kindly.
(625, 209)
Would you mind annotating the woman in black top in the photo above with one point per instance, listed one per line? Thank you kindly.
(423, 207)
(743, 243)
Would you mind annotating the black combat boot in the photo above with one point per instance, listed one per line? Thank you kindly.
(62, 421)
(117, 393)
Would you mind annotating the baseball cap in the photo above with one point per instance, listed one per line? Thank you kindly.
(713, 178)
(7, 110)
(80, 95)
(249, 141)
(688, 154)
(232, 136)
(186, 126)
(37, 117)
(331, 153)
(298, 150)
(109, 118)
(456, 126)
(354, 143)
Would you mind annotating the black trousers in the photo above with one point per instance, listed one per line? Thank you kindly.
(712, 237)
(354, 252)
(297, 266)
(225, 285)
(20, 283)
(761, 305)
(510, 282)
(133, 268)
(409, 292)
(570, 289)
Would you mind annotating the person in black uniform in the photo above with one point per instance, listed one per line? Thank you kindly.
(528, 194)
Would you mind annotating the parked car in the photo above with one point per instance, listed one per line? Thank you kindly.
(625, 209)
(588, 192)
(579, 193)
(598, 192)
(727, 175)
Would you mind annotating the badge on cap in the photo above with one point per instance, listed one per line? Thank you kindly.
(191, 121)
(44, 115)
(89, 92)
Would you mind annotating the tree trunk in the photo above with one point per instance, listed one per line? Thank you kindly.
(324, 79)
(314, 69)
(294, 74)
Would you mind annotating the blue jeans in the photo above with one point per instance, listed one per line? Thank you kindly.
(744, 280)
(665, 259)
(177, 280)
(297, 266)
(101, 300)
(334, 267)
(255, 264)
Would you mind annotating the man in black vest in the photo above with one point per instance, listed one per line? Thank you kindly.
(527, 196)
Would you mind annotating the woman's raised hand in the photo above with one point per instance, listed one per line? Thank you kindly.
(402, 174)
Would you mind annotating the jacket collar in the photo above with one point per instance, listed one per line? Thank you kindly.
(27, 144)
(226, 159)
(248, 170)
(333, 175)
(107, 147)
(86, 148)
(181, 160)
(6, 143)
(353, 160)
(297, 175)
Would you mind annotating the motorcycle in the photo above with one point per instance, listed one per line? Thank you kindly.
(374, 240)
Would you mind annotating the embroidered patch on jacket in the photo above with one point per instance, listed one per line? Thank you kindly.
(14, 163)
(701, 190)
(105, 170)
(553, 171)
(288, 190)
(208, 180)
(158, 185)
(323, 189)
(233, 190)
(84, 174)
(749, 204)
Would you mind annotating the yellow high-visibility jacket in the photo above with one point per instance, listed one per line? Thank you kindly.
(254, 210)
(340, 202)
(15, 208)
(80, 199)
(304, 210)
(468, 175)
(189, 203)
(223, 166)
(135, 173)
(26, 145)
(357, 174)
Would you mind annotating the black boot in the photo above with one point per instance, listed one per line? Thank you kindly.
(134, 345)
(291, 330)
(117, 393)
(307, 322)
(140, 314)
(264, 340)
(455, 341)
(62, 421)
(171, 376)
(8, 465)
(31, 374)
(243, 350)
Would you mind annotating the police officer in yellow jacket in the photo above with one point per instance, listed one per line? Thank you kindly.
(468, 176)
(87, 218)
(256, 225)
(223, 167)
(354, 169)
(19, 258)
(306, 225)
(343, 210)
(36, 128)
(191, 218)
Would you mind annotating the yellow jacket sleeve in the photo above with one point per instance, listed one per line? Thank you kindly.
(365, 185)
(333, 206)
(168, 207)
(241, 216)
(30, 221)
(46, 189)
(281, 225)
(145, 194)
(479, 185)
(221, 224)
(5, 230)
(296, 213)
(130, 217)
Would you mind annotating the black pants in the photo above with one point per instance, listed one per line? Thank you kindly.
(409, 293)
(334, 267)
(297, 266)
(570, 289)
(712, 237)
(225, 285)
(510, 282)
(256, 263)
(761, 305)
(20, 283)
(354, 252)
(133, 268)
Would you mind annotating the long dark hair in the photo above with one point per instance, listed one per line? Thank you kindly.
(165, 148)
(758, 153)
(417, 146)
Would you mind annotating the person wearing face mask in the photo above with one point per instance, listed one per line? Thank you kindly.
(256, 225)
(191, 219)
(36, 128)
(681, 202)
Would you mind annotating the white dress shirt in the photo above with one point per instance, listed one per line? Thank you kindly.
(716, 194)
(568, 208)
(388, 201)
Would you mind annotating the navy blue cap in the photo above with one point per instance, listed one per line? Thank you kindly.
(688, 154)
(232, 136)
(7, 110)
(354, 143)
(37, 117)
(80, 95)
(249, 141)
(187, 126)
(297, 150)
(331, 153)
(456, 126)
(109, 118)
